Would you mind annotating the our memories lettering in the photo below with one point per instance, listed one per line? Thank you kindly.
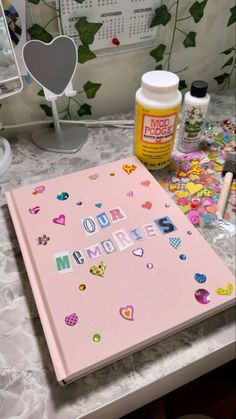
(118, 240)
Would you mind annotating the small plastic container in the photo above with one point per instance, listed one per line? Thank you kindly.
(156, 115)
(193, 117)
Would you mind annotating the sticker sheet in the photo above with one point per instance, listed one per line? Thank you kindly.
(118, 265)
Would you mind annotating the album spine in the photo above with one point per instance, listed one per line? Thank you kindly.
(40, 297)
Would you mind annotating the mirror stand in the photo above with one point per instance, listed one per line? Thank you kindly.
(68, 139)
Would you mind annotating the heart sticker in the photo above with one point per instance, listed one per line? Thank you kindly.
(71, 319)
(127, 312)
(129, 168)
(147, 205)
(98, 270)
(98, 205)
(34, 210)
(175, 242)
(93, 177)
(38, 189)
(225, 291)
(60, 219)
(51, 65)
(193, 187)
(201, 278)
(138, 252)
(145, 183)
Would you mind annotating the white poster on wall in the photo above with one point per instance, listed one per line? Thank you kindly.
(16, 20)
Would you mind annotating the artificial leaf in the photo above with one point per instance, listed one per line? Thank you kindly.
(38, 32)
(220, 79)
(91, 89)
(197, 10)
(232, 18)
(182, 85)
(41, 93)
(229, 62)
(84, 109)
(87, 30)
(162, 16)
(159, 67)
(46, 109)
(85, 54)
(228, 51)
(190, 40)
(158, 52)
(34, 1)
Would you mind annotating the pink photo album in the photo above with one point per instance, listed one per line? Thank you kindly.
(114, 265)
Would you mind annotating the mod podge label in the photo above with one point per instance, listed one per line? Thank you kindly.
(154, 135)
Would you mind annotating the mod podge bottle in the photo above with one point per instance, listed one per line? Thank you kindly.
(156, 115)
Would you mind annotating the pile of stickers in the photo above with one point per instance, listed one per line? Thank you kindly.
(194, 179)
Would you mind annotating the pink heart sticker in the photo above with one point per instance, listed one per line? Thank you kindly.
(60, 219)
(145, 182)
(127, 312)
(147, 205)
(38, 189)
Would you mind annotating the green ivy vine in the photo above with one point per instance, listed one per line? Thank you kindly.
(163, 15)
(86, 32)
(225, 78)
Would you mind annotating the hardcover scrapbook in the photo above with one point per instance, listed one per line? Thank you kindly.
(113, 263)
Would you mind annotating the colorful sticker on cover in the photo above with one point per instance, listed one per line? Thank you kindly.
(201, 278)
(150, 265)
(182, 257)
(78, 257)
(61, 219)
(202, 296)
(89, 225)
(130, 194)
(71, 319)
(227, 290)
(150, 230)
(135, 234)
(93, 176)
(146, 183)
(165, 225)
(38, 189)
(138, 252)
(147, 205)
(129, 168)
(175, 242)
(98, 270)
(34, 210)
(62, 196)
(122, 239)
(94, 251)
(43, 240)
(96, 338)
(98, 204)
(82, 287)
(62, 262)
(108, 246)
(127, 312)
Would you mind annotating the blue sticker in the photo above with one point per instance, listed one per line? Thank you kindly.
(201, 278)
(165, 225)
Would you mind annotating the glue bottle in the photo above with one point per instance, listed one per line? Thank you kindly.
(156, 114)
(193, 116)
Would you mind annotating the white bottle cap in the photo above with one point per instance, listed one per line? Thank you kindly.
(160, 81)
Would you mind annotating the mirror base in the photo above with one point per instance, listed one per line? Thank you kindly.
(71, 139)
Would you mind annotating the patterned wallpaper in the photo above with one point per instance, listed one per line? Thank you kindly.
(196, 40)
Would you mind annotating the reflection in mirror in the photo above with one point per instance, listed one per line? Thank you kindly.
(10, 80)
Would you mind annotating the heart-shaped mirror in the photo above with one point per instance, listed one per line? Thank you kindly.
(52, 65)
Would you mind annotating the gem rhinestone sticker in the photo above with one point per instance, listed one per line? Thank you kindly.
(98, 270)
(145, 183)
(201, 278)
(127, 312)
(43, 240)
(62, 196)
(147, 205)
(202, 296)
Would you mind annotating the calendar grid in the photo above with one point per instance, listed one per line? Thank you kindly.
(128, 21)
